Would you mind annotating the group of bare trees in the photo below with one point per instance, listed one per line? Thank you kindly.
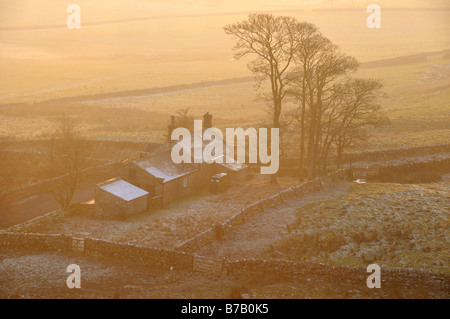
(66, 155)
(298, 63)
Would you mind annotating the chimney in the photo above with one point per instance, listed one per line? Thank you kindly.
(207, 121)
(171, 127)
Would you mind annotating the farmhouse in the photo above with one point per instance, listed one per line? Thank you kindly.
(118, 199)
(162, 180)
(159, 176)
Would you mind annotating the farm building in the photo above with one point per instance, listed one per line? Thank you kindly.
(159, 176)
(118, 199)
(163, 181)
(156, 173)
(237, 172)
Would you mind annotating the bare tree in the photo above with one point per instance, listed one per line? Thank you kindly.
(310, 44)
(359, 110)
(297, 60)
(184, 118)
(320, 65)
(351, 109)
(272, 41)
(66, 158)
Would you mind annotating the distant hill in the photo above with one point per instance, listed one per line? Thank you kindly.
(407, 59)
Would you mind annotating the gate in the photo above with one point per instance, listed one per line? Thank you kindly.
(78, 244)
(208, 265)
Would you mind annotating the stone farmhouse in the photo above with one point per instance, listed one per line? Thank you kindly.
(160, 180)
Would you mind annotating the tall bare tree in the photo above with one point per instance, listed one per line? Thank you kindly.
(320, 65)
(271, 40)
(310, 44)
(66, 158)
(185, 118)
(360, 109)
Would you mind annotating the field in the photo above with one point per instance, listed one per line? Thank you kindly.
(393, 225)
(177, 222)
(122, 80)
(46, 276)
(133, 64)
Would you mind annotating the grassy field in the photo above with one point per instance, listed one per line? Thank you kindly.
(179, 221)
(43, 275)
(416, 103)
(394, 225)
(167, 49)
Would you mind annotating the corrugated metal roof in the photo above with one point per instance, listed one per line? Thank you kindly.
(123, 190)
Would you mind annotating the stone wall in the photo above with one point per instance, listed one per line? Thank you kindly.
(376, 156)
(211, 235)
(35, 242)
(37, 222)
(273, 269)
(268, 270)
(441, 165)
(146, 256)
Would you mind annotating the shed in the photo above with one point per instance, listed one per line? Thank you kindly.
(117, 198)
(237, 171)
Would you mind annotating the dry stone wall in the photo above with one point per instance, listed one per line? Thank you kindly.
(283, 269)
(185, 260)
(211, 235)
(35, 242)
(37, 222)
(146, 256)
(271, 269)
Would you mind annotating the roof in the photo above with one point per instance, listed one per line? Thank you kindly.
(152, 147)
(162, 167)
(234, 165)
(122, 189)
(219, 176)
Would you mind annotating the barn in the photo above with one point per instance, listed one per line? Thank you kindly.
(119, 199)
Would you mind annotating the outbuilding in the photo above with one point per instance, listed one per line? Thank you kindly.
(117, 198)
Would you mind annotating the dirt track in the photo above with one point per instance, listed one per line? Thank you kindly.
(252, 239)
